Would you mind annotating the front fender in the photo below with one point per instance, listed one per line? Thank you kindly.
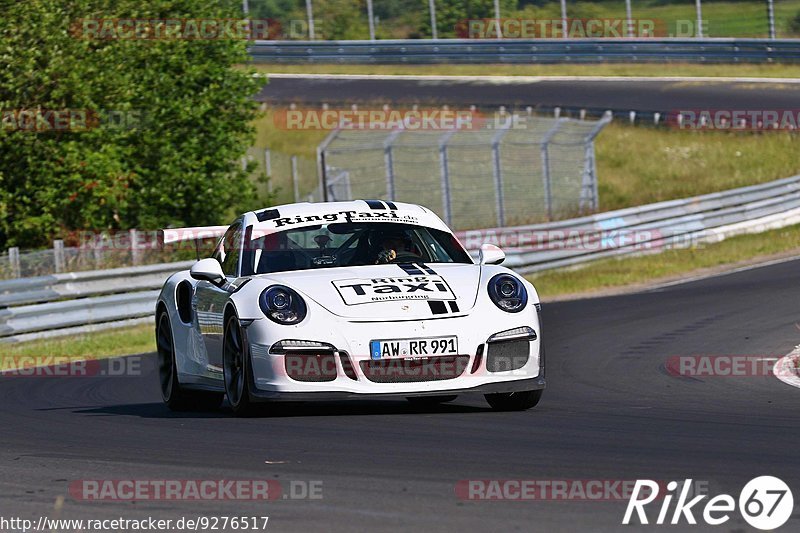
(191, 357)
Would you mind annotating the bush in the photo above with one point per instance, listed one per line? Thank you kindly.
(794, 24)
(168, 121)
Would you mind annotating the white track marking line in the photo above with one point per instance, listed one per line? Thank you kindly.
(786, 368)
(530, 79)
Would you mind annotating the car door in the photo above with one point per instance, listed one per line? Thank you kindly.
(211, 299)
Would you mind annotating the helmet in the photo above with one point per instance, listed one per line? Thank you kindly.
(378, 237)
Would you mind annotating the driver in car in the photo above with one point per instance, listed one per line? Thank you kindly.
(393, 244)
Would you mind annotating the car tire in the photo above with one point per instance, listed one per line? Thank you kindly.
(176, 397)
(430, 401)
(236, 367)
(514, 401)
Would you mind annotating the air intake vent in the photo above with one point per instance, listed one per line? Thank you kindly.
(310, 367)
(508, 355)
(415, 370)
(347, 366)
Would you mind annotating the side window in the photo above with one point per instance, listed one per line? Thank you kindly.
(229, 248)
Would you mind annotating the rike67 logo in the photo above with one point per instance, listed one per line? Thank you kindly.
(765, 503)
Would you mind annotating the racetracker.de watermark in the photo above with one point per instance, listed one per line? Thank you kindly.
(554, 489)
(175, 29)
(759, 120)
(38, 120)
(194, 489)
(724, 366)
(378, 119)
(574, 28)
(591, 240)
(56, 366)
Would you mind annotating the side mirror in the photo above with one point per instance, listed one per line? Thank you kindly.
(490, 255)
(209, 270)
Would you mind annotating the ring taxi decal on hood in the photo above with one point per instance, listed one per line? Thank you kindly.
(361, 291)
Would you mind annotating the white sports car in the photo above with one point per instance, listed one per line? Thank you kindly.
(346, 299)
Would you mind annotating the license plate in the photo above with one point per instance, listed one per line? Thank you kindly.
(399, 348)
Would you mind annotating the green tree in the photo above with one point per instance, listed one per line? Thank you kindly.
(168, 122)
(452, 15)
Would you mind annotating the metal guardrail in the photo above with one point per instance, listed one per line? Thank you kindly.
(74, 302)
(529, 51)
(648, 228)
(80, 301)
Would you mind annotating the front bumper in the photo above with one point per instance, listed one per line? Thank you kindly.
(351, 372)
(488, 388)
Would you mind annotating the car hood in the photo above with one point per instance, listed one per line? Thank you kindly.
(389, 292)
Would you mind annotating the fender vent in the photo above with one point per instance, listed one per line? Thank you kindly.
(183, 300)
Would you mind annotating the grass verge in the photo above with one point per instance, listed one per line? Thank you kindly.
(641, 165)
(109, 343)
(670, 264)
(601, 69)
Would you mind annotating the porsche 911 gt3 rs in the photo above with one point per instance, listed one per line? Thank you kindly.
(365, 298)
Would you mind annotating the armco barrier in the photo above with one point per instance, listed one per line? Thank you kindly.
(673, 223)
(529, 51)
(80, 301)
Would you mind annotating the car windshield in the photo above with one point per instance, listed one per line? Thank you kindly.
(349, 244)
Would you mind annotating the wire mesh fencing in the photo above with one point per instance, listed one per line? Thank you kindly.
(529, 169)
(89, 250)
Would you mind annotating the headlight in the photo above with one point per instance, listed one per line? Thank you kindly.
(508, 293)
(282, 305)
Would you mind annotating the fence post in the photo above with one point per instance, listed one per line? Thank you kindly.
(548, 200)
(371, 21)
(699, 9)
(432, 9)
(590, 163)
(268, 169)
(388, 158)
(13, 261)
(444, 173)
(322, 165)
(587, 194)
(497, 174)
(548, 191)
(348, 186)
(97, 253)
(628, 19)
(771, 18)
(295, 184)
(133, 237)
(58, 255)
(310, 15)
(497, 18)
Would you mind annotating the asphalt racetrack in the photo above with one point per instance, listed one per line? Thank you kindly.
(611, 412)
(642, 95)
